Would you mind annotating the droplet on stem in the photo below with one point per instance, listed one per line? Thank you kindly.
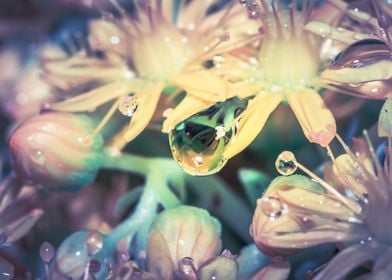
(286, 163)
(46, 252)
(186, 265)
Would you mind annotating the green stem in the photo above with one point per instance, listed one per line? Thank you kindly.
(145, 211)
(212, 193)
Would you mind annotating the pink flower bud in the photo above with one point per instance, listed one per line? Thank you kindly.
(181, 239)
(57, 151)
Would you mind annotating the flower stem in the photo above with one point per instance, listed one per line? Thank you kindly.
(212, 193)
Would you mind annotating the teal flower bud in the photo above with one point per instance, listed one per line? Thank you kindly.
(181, 240)
(57, 151)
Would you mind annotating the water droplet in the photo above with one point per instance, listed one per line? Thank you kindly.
(6, 270)
(224, 37)
(286, 163)
(46, 252)
(93, 242)
(365, 198)
(272, 207)
(186, 265)
(252, 6)
(198, 143)
(319, 28)
(128, 105)
(361, 54)
(95, 266)
(38, 156)
(115, 40)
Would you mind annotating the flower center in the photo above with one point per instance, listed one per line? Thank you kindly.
(161, 52)
(288, 55)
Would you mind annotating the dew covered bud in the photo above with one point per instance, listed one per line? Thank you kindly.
(57, 151)
(73, 254)
(179, 233)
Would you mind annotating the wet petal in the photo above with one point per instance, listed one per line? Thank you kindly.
(277, 270)
(20, 227)
(252, 121)
(90, 100)
(317, 121)
(105, 35)
(148, 102)
(187, 107)
(306, 239)
(345, 261)
(385, 119)
(218, 268)
(159, 261)
(348, 174)
(314, 203)
(203, 85)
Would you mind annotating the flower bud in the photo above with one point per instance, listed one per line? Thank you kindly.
(57, 151)
(73, 254)
(179, 233)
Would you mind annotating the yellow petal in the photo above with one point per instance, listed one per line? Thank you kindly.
(92, 99)
(316, 120)
(105, 35)
(202, 84)
(187, 107)
(148, 101)
(252, 121)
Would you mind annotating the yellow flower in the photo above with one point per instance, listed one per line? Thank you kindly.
(285, 66)
(137, 58)
(347, 207)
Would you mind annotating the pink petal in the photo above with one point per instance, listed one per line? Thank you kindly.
(344, 262)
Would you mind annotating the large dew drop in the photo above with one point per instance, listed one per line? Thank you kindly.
(286, 163)
(272, 207)
(362, 54)
(198, 143)
(128, 105)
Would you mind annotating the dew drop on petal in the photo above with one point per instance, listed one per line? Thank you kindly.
(185, 265)
(6, 270)
(46, 252)
(361, 54)
(128, 105)
(272, 206)
(198, 143)
(38, 156)
(286, 163)
(93, 242)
